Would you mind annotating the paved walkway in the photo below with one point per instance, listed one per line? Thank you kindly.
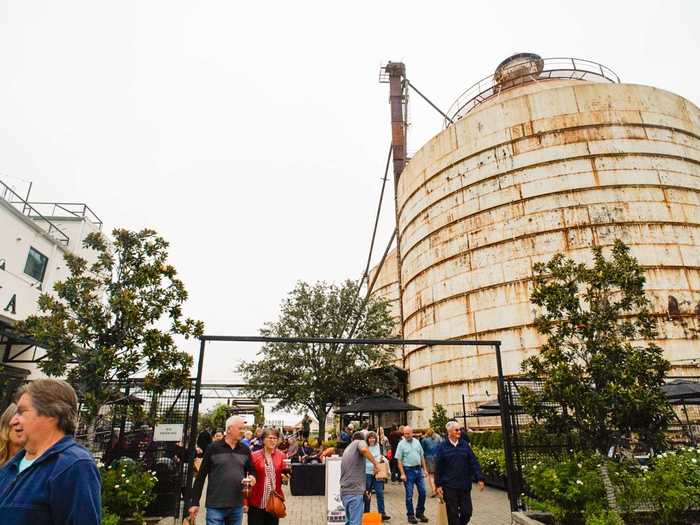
(490, 508)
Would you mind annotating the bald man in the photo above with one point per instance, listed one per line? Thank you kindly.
(227, 463)
(411, 462)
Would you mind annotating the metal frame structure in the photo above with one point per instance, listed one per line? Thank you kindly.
(324, 340)
(553, 68)
(25, 208)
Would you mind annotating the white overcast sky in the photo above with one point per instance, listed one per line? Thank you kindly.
(253, 135)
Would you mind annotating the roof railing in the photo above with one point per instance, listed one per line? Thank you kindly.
(553, 68)
(26, 209)
(72, 209)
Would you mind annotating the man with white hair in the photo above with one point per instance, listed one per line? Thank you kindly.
(227, 463)
(455, 466)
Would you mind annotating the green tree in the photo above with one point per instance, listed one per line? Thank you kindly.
(439, 420)
(600, 369)
(216, 417)
(314, 377)
(114, 317)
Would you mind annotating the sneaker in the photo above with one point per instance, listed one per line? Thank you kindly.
(385, 517)
(412, 520)
(422, 518)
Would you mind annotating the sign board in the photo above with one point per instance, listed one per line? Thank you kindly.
(335, 513)
(168, 432)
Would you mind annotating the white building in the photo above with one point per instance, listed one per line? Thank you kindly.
(34, 236)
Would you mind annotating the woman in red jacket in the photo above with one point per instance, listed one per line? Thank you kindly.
(267, 464)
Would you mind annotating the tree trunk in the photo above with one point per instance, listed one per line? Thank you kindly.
(321, 417)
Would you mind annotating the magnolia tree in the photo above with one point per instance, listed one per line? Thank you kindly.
(315, 377)
(601, 372)
(114, 318)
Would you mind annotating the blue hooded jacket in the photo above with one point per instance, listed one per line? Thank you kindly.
(61, 487)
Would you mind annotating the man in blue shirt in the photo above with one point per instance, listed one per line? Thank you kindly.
(411, 463)
(455, 466)
(54, 479)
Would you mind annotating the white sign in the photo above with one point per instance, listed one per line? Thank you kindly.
(168, 432)
(335, 513)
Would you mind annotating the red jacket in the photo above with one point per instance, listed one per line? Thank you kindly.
(257, 460)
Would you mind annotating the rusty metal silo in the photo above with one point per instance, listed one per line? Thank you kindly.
(545, 156)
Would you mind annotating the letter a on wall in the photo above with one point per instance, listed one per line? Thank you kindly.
(12, 305)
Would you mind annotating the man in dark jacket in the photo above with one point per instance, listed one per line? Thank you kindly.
(455, 466)
(53, 480)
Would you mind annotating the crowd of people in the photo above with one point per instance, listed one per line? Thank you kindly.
(48, 478)
(449, 465)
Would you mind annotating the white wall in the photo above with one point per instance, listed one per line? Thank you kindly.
(18, 234)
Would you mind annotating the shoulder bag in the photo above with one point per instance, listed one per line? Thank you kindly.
(275, 503)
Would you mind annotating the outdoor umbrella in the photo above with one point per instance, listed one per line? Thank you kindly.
(683, 392)
(680, 389)
(482, 412)
(377, 403)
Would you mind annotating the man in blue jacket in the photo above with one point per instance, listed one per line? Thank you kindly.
(455, 466)
(54, 480)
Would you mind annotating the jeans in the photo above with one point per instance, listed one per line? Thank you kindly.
(353, 508)
(459, 505)
(414, 476)
(225, 516)
(378, 487)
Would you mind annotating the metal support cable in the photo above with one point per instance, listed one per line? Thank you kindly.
(428, 101)
(365, 274)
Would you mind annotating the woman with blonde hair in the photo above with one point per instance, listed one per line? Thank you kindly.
(431, 441)
(11, 441)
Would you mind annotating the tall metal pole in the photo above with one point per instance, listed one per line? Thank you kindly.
(464, 413)
(505, 428)
(397, 101)
(195, 416)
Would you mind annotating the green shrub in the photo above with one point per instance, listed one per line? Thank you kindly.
(567, 487)
(110, 519)
(492, 461)
(127, 490)
(491, 439)
(671, 484)
(604, 517)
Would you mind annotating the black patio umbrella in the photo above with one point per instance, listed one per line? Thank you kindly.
(483, 412)
(490, 405)
(683, 392)
(119, 399)
(377, 403)
(679, 389)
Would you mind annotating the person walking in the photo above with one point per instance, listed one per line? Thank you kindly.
(353, 479)
(395, 437)
(11, 439)
(268, 464)
(257, 442)
(430, 443)
(411, 463)
(54, 479)
(455, 466)
(227, 464)
(372, 483)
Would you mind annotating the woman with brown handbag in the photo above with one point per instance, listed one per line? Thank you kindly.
(266, 505)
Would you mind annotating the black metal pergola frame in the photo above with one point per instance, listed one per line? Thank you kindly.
(328, 340)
